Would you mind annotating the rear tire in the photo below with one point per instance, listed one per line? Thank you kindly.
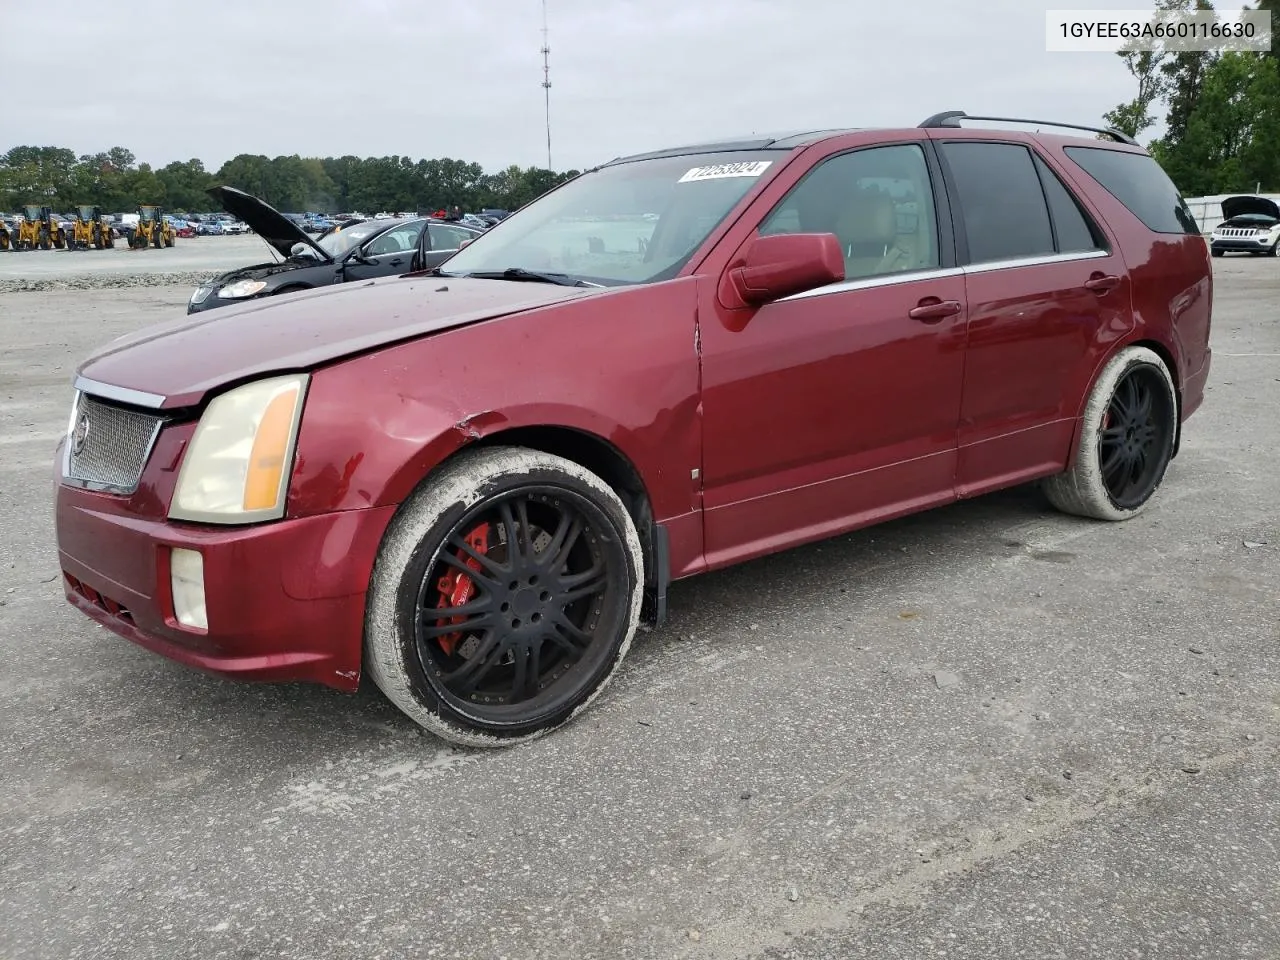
(553, 611)
(1127, 436)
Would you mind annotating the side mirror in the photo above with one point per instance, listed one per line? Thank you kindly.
(783, 264)
(301, 250)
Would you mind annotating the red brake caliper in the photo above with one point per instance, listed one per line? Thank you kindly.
(456, 588)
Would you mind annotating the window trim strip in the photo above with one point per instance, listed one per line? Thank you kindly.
(941, 273)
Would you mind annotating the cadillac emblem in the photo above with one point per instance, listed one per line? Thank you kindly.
(80, 434)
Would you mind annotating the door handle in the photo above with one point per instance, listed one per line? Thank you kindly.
(931, 310)
(1102, 284)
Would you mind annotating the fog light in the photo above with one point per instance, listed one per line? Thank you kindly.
(186, 572)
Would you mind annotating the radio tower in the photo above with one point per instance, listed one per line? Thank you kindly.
(546, 77)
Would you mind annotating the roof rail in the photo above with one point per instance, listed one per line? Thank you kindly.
(952, 118)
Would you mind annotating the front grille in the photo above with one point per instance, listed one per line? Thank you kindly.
(99, 600)
(114, 444)
(1237, 231)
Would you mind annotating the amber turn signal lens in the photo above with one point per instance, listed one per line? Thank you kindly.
(266, 460)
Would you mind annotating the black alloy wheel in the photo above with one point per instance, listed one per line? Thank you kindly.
(1135, 438)
(521, 602)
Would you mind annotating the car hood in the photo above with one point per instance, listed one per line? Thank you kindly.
(1233, 207)
(178, 362)
(266, 221)
(259, 271)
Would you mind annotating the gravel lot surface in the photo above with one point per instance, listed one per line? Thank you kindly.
(187, 263)
(988, 731)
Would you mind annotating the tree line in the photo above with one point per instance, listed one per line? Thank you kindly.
(1221, 112)
(116, 182)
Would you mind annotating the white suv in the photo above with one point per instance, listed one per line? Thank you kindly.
(1252, 226)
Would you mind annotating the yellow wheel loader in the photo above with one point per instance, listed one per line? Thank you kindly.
(39, 230)
(90, 231)
(152, 229)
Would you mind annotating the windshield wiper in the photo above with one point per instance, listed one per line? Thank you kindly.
(536, 276)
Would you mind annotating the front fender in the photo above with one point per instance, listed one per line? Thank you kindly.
(376, 425)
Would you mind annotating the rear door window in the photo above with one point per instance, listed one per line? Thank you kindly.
(1137, 181)
(1073, 229)
(1001, 201)
(445, 237)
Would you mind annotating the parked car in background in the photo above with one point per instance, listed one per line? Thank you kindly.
(209, 228)
(359, 251)
(1252, 226)
(233, 227)
(473, 486)
(181, 227)
(125, 224)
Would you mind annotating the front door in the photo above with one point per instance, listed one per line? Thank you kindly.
(838, 407)
(390, 253)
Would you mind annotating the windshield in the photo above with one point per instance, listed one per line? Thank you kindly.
(637, 222)
(336, 244)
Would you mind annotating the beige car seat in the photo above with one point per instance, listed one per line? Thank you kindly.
(868, 232)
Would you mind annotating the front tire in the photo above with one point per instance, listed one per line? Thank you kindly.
(1129, 428)
(505, 595)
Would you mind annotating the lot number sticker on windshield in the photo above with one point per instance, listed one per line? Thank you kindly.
(720, 171)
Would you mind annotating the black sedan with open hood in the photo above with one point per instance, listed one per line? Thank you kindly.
(359, 251)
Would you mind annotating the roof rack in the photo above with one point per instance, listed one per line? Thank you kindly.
(952, 118)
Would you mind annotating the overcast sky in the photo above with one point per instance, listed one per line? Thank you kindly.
(209, 79)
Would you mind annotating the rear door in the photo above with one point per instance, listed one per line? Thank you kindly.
(1047, 292)
(443, 240)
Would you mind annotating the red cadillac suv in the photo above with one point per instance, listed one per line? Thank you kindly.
(475, 482)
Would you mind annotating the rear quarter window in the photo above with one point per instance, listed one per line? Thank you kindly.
(1137, 181)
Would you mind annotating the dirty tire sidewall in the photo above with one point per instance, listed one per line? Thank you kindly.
(1080, 490)
(408, 551)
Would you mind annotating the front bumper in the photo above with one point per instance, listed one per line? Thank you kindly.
(284, 600)
(1241, 244)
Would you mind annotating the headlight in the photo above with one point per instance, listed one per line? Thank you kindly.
(241, 288)
(236, 468)
(201, 294)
